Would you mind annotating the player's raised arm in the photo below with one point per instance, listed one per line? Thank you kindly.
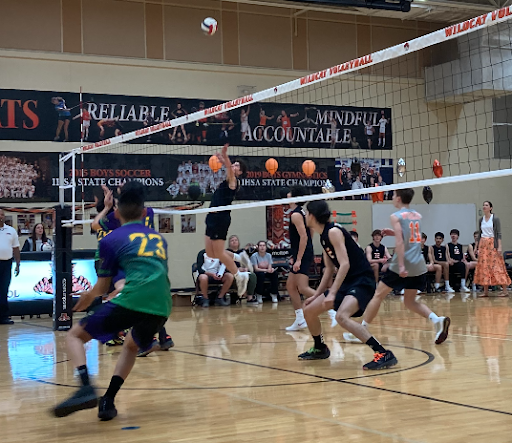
(230, 174)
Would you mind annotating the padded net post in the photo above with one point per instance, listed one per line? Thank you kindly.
(62, 271)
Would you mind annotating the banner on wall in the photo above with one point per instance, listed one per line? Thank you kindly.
(374, 171)
(43, 115)
(27, 177)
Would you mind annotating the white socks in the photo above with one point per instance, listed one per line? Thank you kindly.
(299, 314)
(364, 323)
(446, 284)
(436, 285)
(463, 282)
(433, 317)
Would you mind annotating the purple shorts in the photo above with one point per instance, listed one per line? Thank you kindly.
(105, 323)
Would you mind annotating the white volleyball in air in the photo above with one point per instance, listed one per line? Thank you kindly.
(46, 247)
(209, 26)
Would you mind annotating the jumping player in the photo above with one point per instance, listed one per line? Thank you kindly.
(302, 256)
(407, 269)
(350, 292)
(143, 305)
(217, 223)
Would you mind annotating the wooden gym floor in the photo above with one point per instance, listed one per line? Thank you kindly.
(234, 377)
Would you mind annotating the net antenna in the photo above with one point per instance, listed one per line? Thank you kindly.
(427, 81)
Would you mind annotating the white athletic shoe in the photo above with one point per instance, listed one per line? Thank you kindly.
(297, 325)
(274, 298)
(464, 289)
(448, 289)
(348, 336)
(242, 278)
(473, 288)
(332, 315)
(259, 298)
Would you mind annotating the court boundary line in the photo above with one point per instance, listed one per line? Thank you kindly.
(349, 382)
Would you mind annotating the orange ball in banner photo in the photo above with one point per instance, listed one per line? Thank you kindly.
(437, 168)
(214, 163)
(308, 167)
(271, 166)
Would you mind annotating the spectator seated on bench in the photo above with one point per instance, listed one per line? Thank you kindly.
(378, 255)
(441, 258)
(472, 261)
(234, 246)
(262, 263)
(212, 271)
(457, 261)
(432, 268)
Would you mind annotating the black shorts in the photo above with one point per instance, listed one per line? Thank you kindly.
(217, 225)
(105, 323)
(394, 281)
(64, 118)
(362, 288)
(305, 264)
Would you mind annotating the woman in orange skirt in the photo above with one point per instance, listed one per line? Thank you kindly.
(490, 270)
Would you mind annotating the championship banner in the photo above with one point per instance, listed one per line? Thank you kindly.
(34, 177)
(42, 115)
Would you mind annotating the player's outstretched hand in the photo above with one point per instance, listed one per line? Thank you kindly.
(83, 302)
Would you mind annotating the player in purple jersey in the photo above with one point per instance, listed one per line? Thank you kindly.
(106, 222)
(143, 305)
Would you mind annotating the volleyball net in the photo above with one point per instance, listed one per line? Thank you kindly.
(439, 99)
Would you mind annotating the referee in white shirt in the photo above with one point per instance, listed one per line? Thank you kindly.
(9, 247)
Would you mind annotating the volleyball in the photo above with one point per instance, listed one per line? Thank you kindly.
(308, 167)
(46, 247)
(271, 166)
(209, 26)
(214, 163)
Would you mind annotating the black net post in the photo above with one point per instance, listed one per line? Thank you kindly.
(62, 271)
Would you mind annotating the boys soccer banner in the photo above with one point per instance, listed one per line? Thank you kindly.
(34, 177)
(47, 116)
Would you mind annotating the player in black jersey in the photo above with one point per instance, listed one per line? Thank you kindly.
(217, 223)
(377, 254)
(441, 259)
(456, 259)
(301, 259)
(428, 255)
(349, 293)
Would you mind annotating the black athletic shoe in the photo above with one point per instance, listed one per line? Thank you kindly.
(84, 398)
(223, 301)
(6, 321)
(381, 361)
(167, 344)
(252, 301)
(106, 409)
(315, 354)
(155, 346)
